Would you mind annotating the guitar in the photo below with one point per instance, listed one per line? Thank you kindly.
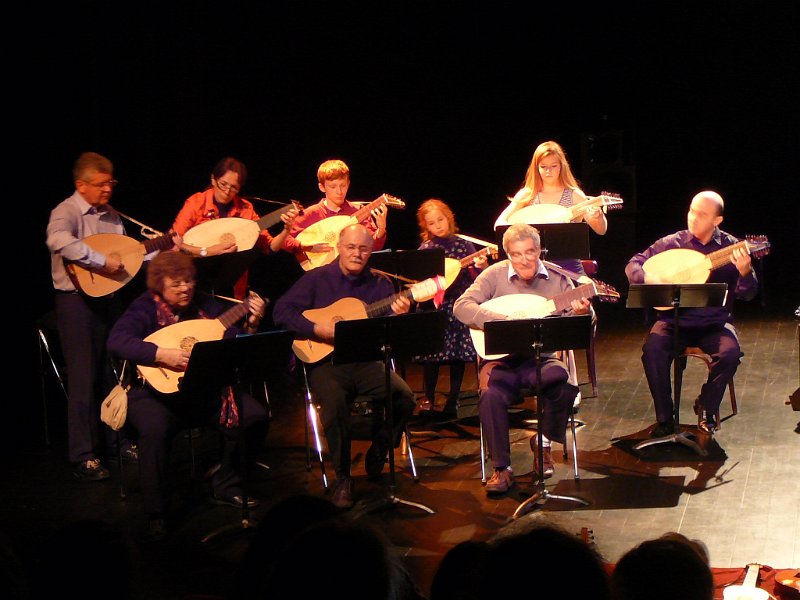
(684, 265)
(349, 309)
(242, 232)
(453, 266)
(129, 251)
(748, 589)
(555, 213)
(185, 335)
(531, 306)
(327, 230)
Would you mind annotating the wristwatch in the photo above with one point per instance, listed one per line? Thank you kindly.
(203, 251)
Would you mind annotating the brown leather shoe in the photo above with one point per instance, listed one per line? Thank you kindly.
(424, 406)
(547, 457)
(500, 482)
(343, 493)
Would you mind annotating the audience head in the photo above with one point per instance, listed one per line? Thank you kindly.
(669, 567)
(458, 575)
(547, 562)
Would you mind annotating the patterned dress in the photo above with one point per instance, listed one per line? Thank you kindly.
(571, 264)
(457, 340)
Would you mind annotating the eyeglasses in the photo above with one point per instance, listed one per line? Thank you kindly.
(225, 186)
(110, 183)
(176, 285)
(517, 256)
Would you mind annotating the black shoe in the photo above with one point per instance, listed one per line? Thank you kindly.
(343, 492)
(707, 423)
(234, 501)
(376, 457)
(663, 429)
(449, 412)
(131, 454)
(91, 470)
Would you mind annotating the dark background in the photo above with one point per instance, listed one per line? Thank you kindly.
(441, 99)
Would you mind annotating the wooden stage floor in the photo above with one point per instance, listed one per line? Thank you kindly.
(742, 499)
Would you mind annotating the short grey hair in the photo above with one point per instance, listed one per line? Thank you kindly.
(521, 231)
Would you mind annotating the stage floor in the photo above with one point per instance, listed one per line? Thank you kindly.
(742, 499)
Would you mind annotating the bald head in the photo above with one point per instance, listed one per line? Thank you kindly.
(705, 215)
(711, 199)
(354, 247)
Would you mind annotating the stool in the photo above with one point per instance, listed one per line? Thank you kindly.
(695, 352)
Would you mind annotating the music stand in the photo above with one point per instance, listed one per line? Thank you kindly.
(532, 337)
(696, 295)
(220, 273)
(384, 339)
(562, 241)
(244, 359)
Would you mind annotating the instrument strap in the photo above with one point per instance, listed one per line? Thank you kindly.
(150, 233)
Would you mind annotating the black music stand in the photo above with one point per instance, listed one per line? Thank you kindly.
(695, 295)
(532, 337)
(560, 241)
(219, 273)
(385, 339)
(237, 361)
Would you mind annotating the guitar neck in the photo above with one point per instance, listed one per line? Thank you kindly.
(579, 210)
(274, 217)
(378, 308)
(722, 257)
(467, 260)
(564, 300)
(363, 212)
(162, 242)
(233, 314)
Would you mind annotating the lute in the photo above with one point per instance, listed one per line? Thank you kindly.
(453, 266)
(236, 230)
(532, 306)
(184, 335)
(349, 309)
(327, 230)
(684, 265)
(129, 251)
(535, 214)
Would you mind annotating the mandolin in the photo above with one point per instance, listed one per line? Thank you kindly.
(242, 232)
(129, 251)
(536, 214)
(532, 306)
(327, 230)
(684, 265)
(453, 266)
(349, 309)
(184, 335)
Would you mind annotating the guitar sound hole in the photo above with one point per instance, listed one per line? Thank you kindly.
(188, 343)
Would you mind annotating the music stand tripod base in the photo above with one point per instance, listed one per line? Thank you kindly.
(384, 339)
(683, 438)
(677, 296)
(534, 336)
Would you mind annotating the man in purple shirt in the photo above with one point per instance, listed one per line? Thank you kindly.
(708, 328)
(335, 386)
